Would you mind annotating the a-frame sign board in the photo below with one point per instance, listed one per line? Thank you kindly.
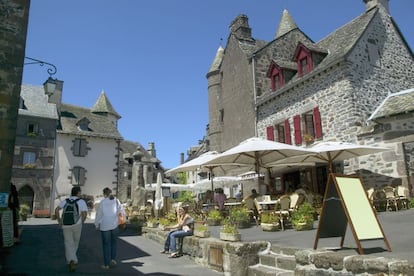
(346, 201)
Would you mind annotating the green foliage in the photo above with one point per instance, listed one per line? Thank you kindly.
(304, 214)
(214, 214)
(411, 205)
(185, 196)
(24, 211)
(239, 214)
(229, 227)
(182, 178)
(269, 217)
(201, 227)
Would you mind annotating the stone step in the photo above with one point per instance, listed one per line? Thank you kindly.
(263, 270)
(287, 262)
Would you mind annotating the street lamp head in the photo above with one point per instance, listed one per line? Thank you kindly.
(49, 85)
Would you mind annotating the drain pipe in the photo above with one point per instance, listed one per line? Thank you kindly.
(254, 93)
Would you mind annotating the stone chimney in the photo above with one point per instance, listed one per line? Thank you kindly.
(182, 158)
(370, 4)
(151, 149)
(240, 27)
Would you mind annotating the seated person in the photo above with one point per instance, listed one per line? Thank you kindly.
(253, 195)
(219, 199)
(183, 228)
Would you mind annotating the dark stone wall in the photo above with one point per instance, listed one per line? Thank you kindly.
(14, 15)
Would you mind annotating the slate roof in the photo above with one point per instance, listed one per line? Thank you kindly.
(394, 104)
(99, 126)
(36, 103)
(103, 105)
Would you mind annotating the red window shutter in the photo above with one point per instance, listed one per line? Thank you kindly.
(287, 133)
(270, 133)
(317, 122)
(298, 130)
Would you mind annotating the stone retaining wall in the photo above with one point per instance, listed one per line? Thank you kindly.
(238, 256)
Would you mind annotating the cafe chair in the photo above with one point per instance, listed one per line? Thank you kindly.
(251, 207)
(403, 194)
(283, 211)
(392, 201)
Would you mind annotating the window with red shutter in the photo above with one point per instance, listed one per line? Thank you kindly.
(270, 133)
(288, 139)
(297, 129)
(317, 122)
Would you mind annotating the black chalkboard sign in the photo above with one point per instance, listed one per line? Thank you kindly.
(346, 201)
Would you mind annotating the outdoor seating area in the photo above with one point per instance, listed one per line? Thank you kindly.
(389, 198)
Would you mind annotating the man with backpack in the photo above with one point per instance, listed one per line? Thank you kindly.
(74, 212)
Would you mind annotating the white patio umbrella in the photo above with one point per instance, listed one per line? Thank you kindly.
(219, 181)
(173, 187)
(198, 163)
(257, 153)
(330, 152)
(159, 202)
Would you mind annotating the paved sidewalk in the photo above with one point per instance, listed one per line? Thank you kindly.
(41, 252)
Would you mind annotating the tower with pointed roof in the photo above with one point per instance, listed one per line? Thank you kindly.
(104, 107)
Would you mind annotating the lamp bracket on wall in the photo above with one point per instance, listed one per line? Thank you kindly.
(51, 71)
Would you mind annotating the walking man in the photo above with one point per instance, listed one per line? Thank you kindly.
(72, 230)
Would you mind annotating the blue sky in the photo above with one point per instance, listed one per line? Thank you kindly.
(151, 57)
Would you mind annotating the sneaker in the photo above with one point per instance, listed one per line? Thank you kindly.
(72, 266)
(113, 262)
(105, 267)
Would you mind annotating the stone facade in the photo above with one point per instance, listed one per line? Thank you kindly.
(34, 151)
(352, 71)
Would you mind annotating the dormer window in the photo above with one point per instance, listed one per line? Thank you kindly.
(83, 124)
(303, 57)
(275, 74)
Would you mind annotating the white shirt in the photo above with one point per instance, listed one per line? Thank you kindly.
(81, 205)
(107, 215)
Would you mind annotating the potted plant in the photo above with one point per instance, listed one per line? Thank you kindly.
(269, 221)
(201, 230)
(213, 217)
(241, 217)
(152, 222)
(308, 138)
(229, 231)
(303, 217)
(24, 211)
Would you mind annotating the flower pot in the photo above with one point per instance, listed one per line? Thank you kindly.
(201, 234)
(301, 226)
(230, 236)
(270, 226)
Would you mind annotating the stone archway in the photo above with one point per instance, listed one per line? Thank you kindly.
(26, 196)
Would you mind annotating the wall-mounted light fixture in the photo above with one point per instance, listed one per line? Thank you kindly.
(50, 84)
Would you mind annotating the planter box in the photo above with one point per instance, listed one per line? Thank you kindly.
(201, 234)
(230, 237)
(301, 226)
(270, 226)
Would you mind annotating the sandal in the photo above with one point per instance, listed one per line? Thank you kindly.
(173, 255)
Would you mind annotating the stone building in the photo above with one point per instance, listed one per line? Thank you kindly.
(34, 149)
(137, 167)
(292, 89)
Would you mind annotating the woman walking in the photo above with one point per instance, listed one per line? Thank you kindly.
(107, 222)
